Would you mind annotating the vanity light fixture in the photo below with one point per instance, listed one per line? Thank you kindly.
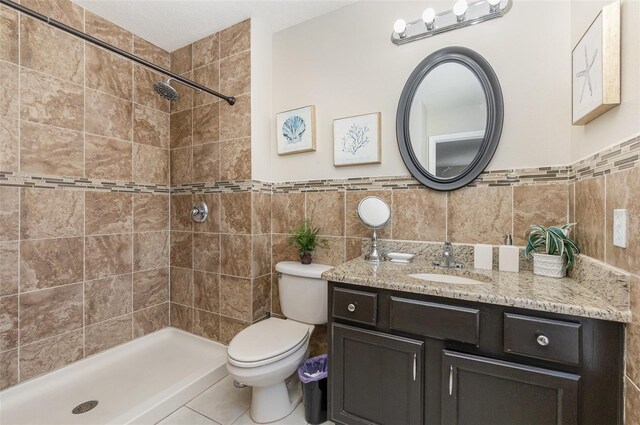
(464, 13)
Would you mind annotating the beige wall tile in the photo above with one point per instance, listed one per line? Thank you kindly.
(235, 74)
(50, 262)
(181, 166)
(46, 213)
(8, 35)
(50, 312)
(261, 255)
(206, 50)
(206, 295)
(353, 248)
(48, 100)
(150, 250)
(261, 296)
(107, 334)
(354, 226)
(185, 100)
(44, 356)
(287, 211)
(182, 286)
(572, 203)
(51, 51)
(206, 324)
(622, 193)
(590, 217)
(150, 212)
(235, 297)
(8, 368)
(8, 144)
(150, 287)
(181, 212)
(8, 322)
(108, 72)
(632, 403)
(208, 76)
(212, 224)
(633, 333)
(108, 116)
(9, 266)
(150, 319)
(108, 213)
(546, 205)
(420, 215)
(108, 32)
(235, 212)
(9, 89)
(282, 250)
(235, 159)
(235, 257)
(151, 53)
(182, 317)
(261, 213)
(235, 121)
(143, 93)
(181, 59)
(107, 298)
(326, 211)
(334, 254)
(318, 342)
(182, 249)
(206, 127)
(275, 296)
(487, 222)
(181, 128)
(9, 213)
(108, 158)
(64, 11)
(150, 164)
(150, 127)
(235, 39)
(52, 151)
(230, 327)
(107, 256)
(206, 252)
(205, 163)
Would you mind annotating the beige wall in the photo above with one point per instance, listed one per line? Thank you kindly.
(344, 63)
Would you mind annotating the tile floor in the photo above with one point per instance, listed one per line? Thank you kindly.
(223, 404)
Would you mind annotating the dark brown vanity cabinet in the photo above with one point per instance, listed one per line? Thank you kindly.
(401, 358)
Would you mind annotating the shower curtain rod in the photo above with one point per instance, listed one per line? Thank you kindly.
(230, 99)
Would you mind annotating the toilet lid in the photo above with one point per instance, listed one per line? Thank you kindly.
(268, 339)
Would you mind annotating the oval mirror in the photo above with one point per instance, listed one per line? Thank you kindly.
(374, 212)
(449, 118)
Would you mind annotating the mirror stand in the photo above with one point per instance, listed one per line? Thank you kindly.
(374, 255)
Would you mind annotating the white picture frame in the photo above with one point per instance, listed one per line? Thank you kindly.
(595, 64)
(356, 140)
(296, 130)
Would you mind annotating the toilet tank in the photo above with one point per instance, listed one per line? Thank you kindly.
(303, 294)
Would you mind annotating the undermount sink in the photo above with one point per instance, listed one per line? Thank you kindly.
(446, 278)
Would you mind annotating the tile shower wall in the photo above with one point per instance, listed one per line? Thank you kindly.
(220, 269)
(84, 253)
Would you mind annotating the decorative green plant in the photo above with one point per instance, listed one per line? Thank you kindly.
(552, 240)
(305, 236)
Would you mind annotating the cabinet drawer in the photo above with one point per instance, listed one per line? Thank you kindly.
(435, 320)
(545, 339)
(357, 306)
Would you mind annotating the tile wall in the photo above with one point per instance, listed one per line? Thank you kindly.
(84, 247)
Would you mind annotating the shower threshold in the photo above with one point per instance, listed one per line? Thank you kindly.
(139, 382)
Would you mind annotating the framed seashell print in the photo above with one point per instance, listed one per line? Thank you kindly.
(356, 140)
(296, 130)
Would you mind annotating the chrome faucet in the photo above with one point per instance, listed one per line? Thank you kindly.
(447, 258)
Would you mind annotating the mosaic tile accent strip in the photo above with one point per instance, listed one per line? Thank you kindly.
(616, 158)
(43, 182)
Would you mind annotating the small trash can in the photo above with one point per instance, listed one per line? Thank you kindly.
(313, 375)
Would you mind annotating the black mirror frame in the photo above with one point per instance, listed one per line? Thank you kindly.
(495, 116)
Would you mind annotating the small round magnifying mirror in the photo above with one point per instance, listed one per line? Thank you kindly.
(374, 213)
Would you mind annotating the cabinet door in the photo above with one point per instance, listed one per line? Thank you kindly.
(375, 378)
(478, 390)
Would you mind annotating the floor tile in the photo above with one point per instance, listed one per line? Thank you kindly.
(186, 416)
(222, 402)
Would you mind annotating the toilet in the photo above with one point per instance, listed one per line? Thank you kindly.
(266, 353)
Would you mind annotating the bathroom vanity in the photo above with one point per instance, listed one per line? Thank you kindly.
(512, 349)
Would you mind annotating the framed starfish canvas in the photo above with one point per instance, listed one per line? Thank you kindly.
(596, 67)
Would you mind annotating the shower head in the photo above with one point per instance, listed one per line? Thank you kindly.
(165, 90)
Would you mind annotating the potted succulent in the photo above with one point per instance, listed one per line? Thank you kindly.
(306, 238)
(552, 250)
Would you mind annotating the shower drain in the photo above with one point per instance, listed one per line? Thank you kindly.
(84, 407)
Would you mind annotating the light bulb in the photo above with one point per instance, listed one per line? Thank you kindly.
(494, 5)
(429, 16)
(400, 26)
(459, 9)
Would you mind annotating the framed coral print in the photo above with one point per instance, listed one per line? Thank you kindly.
(296, 130)
(356, 140)
(596, 67)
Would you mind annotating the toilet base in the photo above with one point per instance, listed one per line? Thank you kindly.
(274, 402)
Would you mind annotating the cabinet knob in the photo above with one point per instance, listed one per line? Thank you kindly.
(351, 307)
(542, 340)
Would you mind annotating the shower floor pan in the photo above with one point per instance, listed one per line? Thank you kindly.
(139, 382)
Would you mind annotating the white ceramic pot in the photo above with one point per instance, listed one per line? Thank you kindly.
(549, 265)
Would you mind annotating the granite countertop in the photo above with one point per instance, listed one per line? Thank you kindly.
(523, 290)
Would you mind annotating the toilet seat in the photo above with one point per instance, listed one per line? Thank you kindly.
(266, 342)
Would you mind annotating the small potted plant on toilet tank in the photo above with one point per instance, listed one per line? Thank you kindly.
(552, 250)
(306, 238)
